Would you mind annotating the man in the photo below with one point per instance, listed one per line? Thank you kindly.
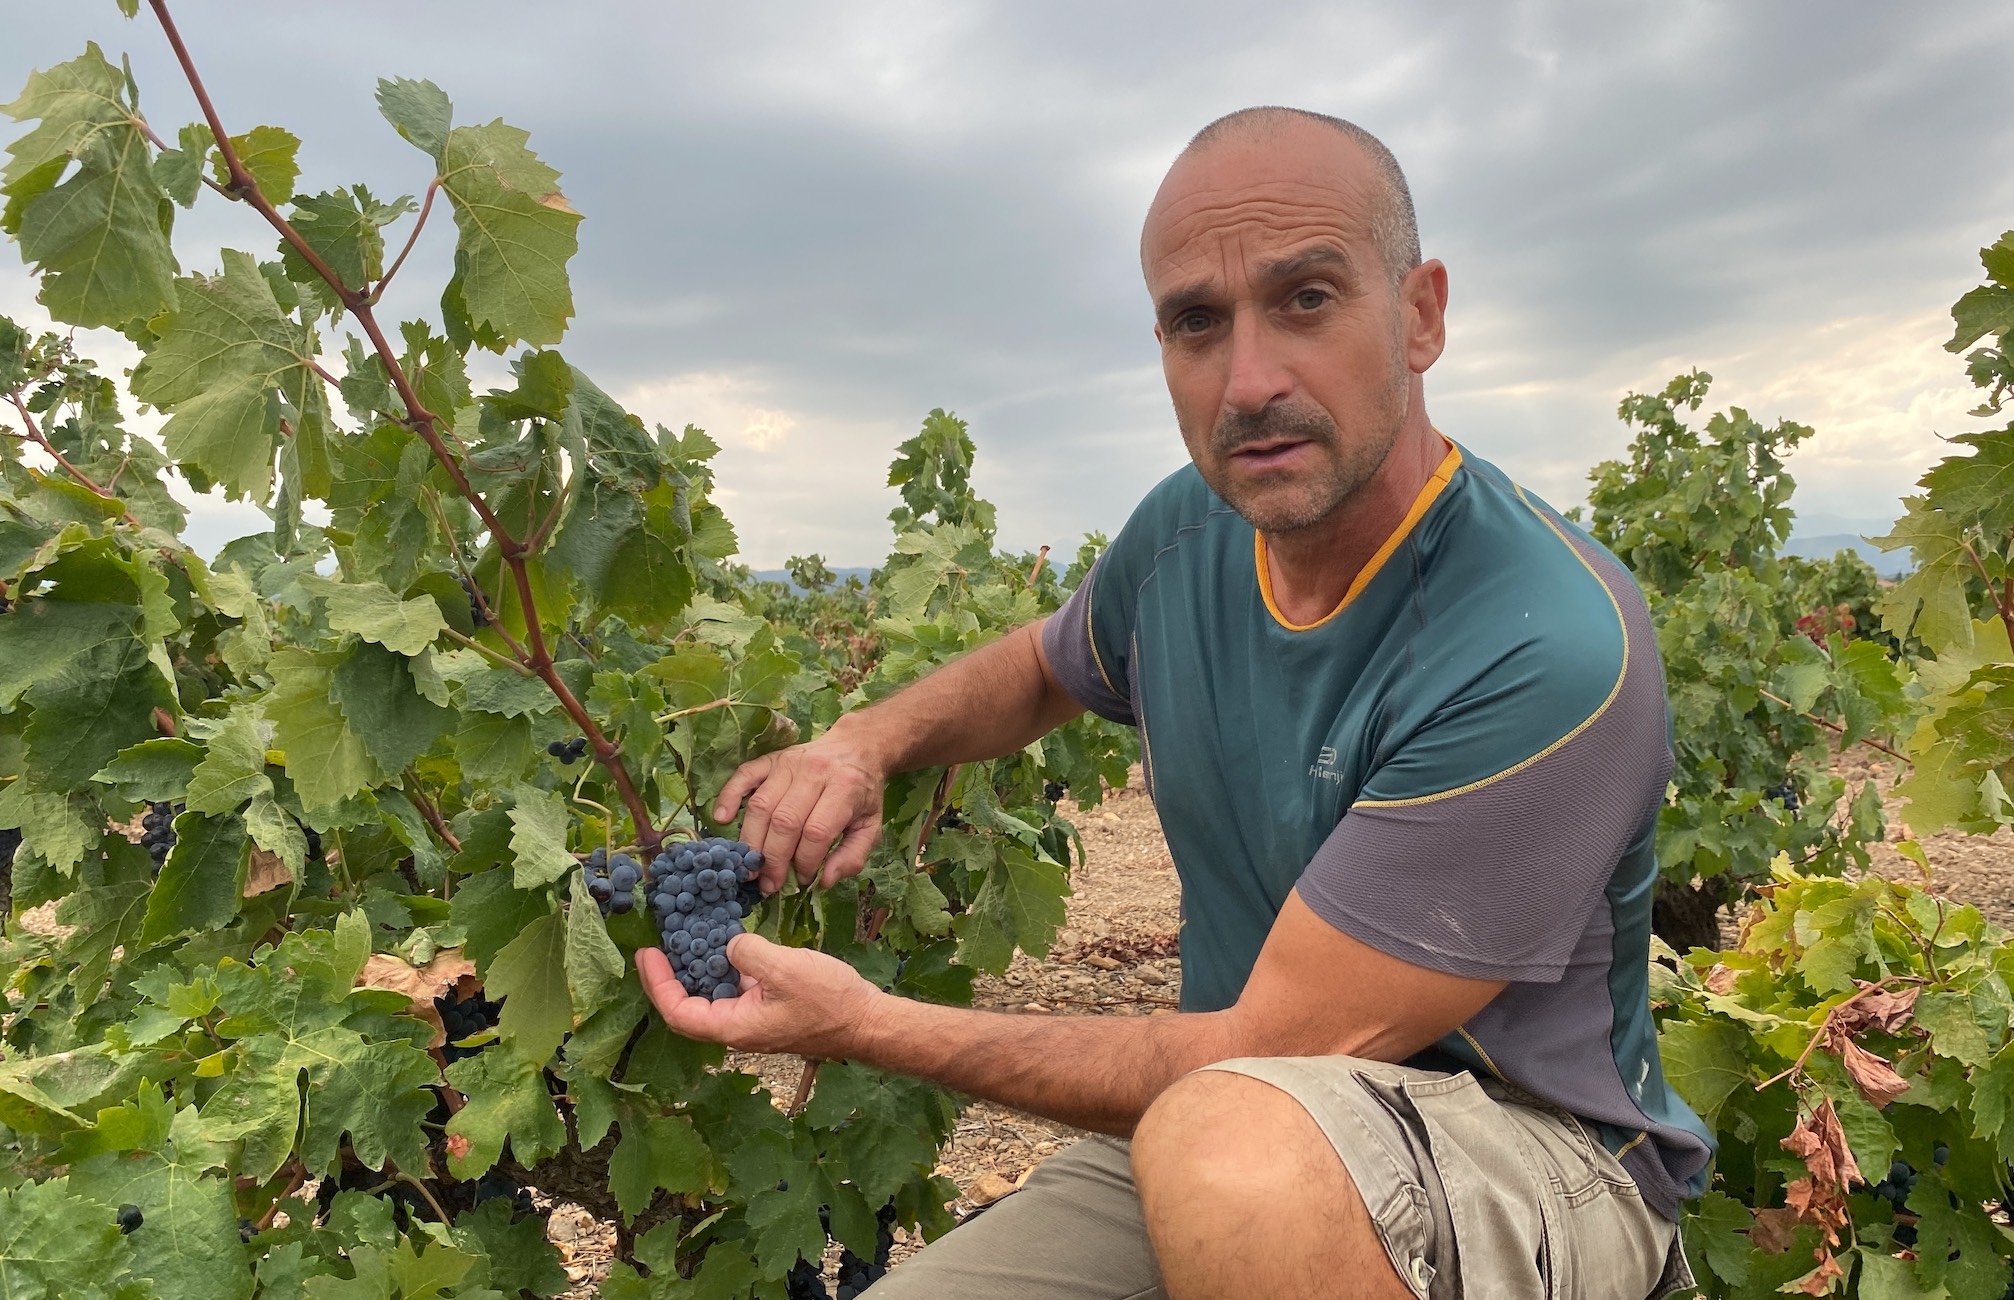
(1406, 731)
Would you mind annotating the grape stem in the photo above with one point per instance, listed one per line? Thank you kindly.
(1835, 728)
(1825, 1026)
(432, 814)
(35, 436)
(2003, 599)
(535, 655)
(425, 207)
(805, 1078)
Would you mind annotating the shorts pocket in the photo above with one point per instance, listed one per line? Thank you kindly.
(1498, 1201)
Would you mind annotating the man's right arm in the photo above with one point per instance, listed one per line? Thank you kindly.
(983, 705)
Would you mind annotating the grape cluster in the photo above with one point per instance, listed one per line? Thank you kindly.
(465, 1019)
(699, 891)
(568, 751)
(1054, 791)
(157, 831)
(1895, 1188)
(476, 615)
(10, 844)
(1785, 794)
(611, 882)
(130, 1219)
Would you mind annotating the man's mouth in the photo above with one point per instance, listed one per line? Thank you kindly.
(1267, 455)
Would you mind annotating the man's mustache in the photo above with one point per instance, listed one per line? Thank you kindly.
(1237, 430)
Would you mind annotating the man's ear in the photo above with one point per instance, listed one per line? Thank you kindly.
(1423, 296)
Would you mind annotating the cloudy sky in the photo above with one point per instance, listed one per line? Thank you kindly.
(807, 224)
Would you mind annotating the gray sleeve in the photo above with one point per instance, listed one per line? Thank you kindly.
(1070, 644)
(1497, 879)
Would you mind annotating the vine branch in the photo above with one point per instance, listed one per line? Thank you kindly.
(1835, 728)
(535, 656)
(36, 436)
(411, 239)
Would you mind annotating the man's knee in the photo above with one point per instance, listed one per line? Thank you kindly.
(1230, 1139)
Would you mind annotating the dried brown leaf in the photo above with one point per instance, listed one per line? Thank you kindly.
(1872, 1075)
(1821, 1280)
(1772, 1230)
(422, 984)
(266, 873)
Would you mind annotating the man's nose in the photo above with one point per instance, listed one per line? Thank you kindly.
(1258, 375)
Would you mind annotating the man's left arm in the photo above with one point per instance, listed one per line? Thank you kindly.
(1315, 991)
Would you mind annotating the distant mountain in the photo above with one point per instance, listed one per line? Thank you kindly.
(1889, 564)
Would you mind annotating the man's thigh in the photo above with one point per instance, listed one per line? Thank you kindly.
(1073, 1233)
(1475, 1193)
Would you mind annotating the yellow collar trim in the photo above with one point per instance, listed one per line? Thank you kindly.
(1428, 495)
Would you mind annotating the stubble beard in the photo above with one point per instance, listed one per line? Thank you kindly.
(1348, 462)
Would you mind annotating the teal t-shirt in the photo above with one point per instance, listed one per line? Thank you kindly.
(1461, 765)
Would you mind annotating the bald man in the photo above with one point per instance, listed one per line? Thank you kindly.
(1406, 730)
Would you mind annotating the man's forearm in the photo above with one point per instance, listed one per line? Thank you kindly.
(1095, 1072)
(986, 704)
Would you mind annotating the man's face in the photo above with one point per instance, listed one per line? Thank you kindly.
(1284, 342)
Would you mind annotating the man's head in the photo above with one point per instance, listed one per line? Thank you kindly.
(1294, 314)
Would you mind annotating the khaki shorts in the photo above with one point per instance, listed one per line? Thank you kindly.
(1477, 1190)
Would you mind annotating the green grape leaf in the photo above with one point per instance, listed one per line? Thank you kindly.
(345, 230)
(594, 965)
(277, 833)
(51, 824)
(56, 1243)
(233, 767)
(375, 613)
(180, 170)
(657, 1151)
(267, 155)
(381, 702)
(507, 1101)
(539, 854)
(41, 638)
(98, 239)
(101, 702)
(222, 355)
(302, 1068)
(202, 879)
(491, 913)
(153, 771)
(529, 973)
(517, 233)
(419, 111)
(493, 749)
(1019, 906)
(1932, 600)
(1705, 1060)
(327, 761)
(876, 1121)
(189, 1217)
(774, 1175)
(516, 1257)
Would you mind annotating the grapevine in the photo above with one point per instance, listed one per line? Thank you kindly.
(331, 981)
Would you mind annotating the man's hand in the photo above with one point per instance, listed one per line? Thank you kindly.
(802, 799)
(792, 1000)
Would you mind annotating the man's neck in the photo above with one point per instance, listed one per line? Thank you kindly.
(1311, 569)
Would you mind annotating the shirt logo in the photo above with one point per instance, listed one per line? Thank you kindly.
(1324, 766)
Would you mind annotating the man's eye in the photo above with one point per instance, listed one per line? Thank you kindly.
(1192, 322)
(1311, 299)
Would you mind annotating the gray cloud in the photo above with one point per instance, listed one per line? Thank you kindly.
(843, 215)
